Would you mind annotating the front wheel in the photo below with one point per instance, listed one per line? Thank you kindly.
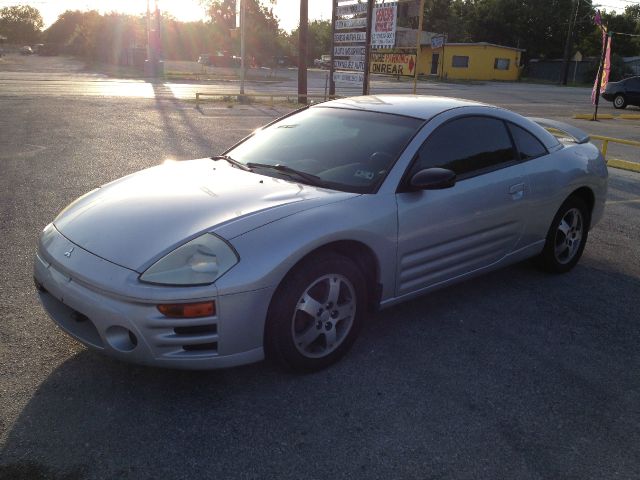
(619, 101)
(567, 237)
(316, 313)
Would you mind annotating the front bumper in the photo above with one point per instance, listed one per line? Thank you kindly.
(132, 329)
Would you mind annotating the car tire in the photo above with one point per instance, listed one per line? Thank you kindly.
(316, 313)
(566, 237)
(619, 101)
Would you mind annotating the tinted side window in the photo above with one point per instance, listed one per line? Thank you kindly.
(467, 146)
(528, 145)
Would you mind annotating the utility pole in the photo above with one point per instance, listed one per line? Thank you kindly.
(303, 33)
(148, 31)
(569, 43)
(332, 83)
(242, 46)
(418, 42)
(367, 50)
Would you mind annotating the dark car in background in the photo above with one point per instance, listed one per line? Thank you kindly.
(623, 93)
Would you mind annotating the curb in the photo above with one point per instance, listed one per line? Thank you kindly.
(588, 116)
(607, 116)
(624, 165)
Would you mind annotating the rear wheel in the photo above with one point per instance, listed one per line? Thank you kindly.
(567, 237)
(619, 101)
(316, 313)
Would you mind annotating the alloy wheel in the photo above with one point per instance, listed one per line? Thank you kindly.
(568, 236)
(323, 316)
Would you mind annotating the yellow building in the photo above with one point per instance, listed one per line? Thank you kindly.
(470, 61)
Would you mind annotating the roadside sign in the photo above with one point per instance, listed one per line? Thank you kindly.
(349, 51)
(350, 37)
(383, 28)
(352, 9)
(437, 42)
(349, 78)
(351, 23)
(351, 43)
(393, 64)
(349, 65)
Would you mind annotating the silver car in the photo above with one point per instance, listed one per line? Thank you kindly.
(283, 245)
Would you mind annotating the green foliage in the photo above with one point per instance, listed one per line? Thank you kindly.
(319, 42)
(261, 30)
(185, 40)
(539, 27)
(96, 37)
(21, 24)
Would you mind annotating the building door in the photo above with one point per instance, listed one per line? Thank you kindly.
(434, 63)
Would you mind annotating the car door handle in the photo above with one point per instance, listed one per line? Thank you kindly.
(516, 191)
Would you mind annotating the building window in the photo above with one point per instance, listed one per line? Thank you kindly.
(459, 61)
(501, 64)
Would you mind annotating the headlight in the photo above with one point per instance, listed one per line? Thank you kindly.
(199, 262)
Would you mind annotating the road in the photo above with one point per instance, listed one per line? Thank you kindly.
(519, 374)
(45, 76)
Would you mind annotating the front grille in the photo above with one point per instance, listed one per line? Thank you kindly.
(199, 347)
(187, 337)
(196, 329)
(74, 322)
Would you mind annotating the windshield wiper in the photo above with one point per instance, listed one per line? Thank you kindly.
(291, 172)
(232, 161)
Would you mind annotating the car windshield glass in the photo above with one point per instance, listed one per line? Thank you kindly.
(343, 149)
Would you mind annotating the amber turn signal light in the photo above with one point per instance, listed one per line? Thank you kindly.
(188, 310)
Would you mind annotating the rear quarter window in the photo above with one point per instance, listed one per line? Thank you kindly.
(526, 143)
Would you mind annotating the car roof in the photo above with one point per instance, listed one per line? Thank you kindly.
(418, 106)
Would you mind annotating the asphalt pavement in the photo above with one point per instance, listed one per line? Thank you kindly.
(518, 374)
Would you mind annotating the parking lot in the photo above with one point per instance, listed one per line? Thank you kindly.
(518, 374)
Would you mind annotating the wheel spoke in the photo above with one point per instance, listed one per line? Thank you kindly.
(330, 337)
(309, 305)
(308, 337)
(344, 311)
(564, 227)
(575, 220)
(334, 290)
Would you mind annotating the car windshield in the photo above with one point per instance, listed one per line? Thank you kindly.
(348, 150)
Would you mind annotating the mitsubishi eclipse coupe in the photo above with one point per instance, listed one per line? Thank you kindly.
(283, 245)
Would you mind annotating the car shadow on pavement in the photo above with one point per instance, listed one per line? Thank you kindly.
(518, 375)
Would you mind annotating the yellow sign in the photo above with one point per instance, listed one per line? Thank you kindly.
(393, 64)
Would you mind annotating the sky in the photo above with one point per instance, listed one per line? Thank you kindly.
(287, 11)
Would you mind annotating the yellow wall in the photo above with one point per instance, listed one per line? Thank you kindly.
(481, 62)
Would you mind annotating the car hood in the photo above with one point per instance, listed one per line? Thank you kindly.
(136, 220)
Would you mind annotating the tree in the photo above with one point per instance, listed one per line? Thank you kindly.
(96, 37)
(21, 24)
(319, 40)
(261, 29)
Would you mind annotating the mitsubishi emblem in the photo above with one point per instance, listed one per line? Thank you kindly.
(68, 253)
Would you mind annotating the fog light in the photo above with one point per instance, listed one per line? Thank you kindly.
(121, 339)
(188, 310)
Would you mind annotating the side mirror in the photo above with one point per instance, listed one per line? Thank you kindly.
(433, 179)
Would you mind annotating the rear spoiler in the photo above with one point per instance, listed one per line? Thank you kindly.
(564, 129)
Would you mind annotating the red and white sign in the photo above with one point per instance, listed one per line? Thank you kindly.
(383, 28)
